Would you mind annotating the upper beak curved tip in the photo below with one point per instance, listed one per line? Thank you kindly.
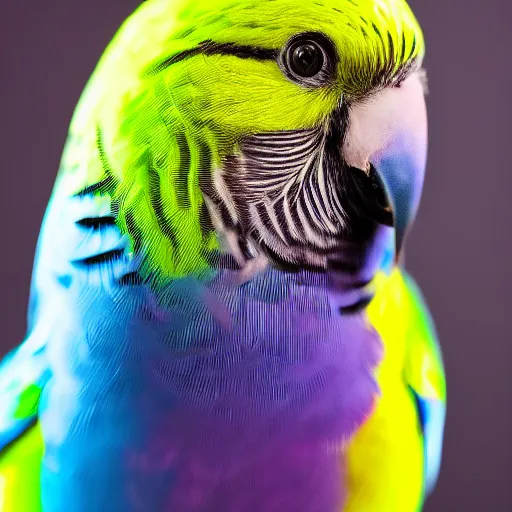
(402, 181)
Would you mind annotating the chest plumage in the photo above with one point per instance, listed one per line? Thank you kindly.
(203, 393)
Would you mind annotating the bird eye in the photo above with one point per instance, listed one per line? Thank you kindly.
(306, 59)
(309, 59)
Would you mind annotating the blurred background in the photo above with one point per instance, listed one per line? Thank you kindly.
(459, 250)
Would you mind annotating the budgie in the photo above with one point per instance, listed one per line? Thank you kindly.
(219, 317)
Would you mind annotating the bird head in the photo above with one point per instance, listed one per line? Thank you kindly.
(293, 130)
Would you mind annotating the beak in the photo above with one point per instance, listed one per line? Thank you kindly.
(387, 138)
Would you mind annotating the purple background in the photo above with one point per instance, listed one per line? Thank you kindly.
(458, 251)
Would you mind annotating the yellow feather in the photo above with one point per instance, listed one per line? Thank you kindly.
(19, 473)
(385, 458)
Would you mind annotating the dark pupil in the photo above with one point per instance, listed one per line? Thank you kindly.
(307, 60)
